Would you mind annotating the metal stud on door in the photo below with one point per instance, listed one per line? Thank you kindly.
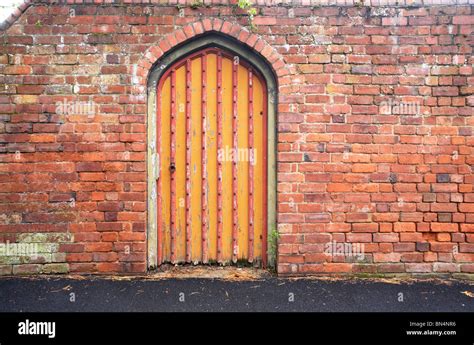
(211, 137)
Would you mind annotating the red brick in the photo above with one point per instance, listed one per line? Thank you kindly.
(464, 20)
(404, 227)
(467, 227)
(388, 237)
(444, 227)
(390, 257)
(418, 267)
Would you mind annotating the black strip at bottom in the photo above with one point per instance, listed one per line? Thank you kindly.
(236, 328)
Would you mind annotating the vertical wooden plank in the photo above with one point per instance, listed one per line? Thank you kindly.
(188, 161)
(258, 168)
(226, 157)
(180, 163)
(173, 176)
(204, 183)
(220, 218)
(235, 215)
(164, 183)
(251, 164)
(211, 147)
(196, 159)
(242, 158)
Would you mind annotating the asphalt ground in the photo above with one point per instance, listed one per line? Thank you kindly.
(268, 294)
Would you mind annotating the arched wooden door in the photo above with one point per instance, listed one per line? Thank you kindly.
(211, 140)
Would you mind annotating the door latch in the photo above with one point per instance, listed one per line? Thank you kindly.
(172, 167)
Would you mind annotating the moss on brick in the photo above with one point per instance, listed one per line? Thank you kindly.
(55, 268)
(6, 270)
(44, 237)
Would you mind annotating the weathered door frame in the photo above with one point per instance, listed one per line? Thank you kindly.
(199, 43)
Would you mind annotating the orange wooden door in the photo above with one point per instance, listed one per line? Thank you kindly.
(212, 144)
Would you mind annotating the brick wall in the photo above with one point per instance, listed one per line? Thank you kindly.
(375, 145)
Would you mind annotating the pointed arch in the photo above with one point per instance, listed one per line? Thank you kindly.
(233, 31)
